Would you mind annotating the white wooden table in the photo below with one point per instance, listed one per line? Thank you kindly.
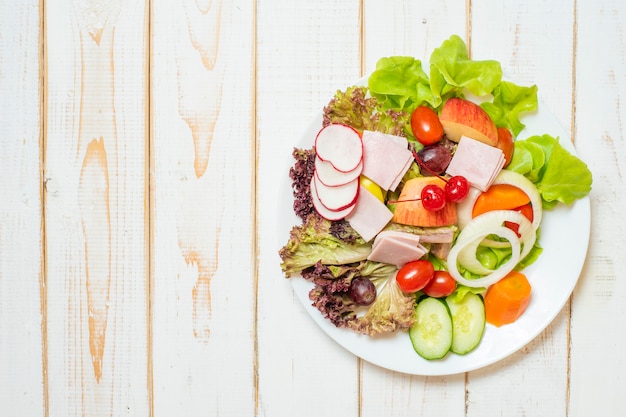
(141, 144)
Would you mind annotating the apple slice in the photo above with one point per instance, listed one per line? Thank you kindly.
(461, 117)
(340, 145)
(410, 210)
(323, 210)
(332, 177)
(339, 197)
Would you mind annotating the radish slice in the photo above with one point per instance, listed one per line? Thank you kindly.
(339, 197)
(340, 145)
(330, 176)
(325, 212)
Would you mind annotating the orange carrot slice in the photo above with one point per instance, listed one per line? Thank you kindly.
(507, 299)
(500, 197)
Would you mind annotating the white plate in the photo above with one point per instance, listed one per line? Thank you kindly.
(564, 238)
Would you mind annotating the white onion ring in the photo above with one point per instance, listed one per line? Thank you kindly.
(492, 276)
(495, 218)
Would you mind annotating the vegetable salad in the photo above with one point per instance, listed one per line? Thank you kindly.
(333, 256)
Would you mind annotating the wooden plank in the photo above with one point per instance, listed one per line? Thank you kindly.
(96, 217)
(22, 321)
(203, 206)
(306, 52)
(528, 39)
(413, 29)
(597, 380)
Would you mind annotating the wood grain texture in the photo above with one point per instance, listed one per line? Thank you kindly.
(599, 302)
(203, 201)
(306, 51)
(22, 282)
(95, 168)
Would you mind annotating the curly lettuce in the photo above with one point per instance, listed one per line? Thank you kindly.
(354, 108)
(392, 309)
(312, 242)
(300, 174)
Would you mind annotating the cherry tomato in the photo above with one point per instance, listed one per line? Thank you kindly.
(426, 126)
(505, 144)
(442, 285)
(414, 275)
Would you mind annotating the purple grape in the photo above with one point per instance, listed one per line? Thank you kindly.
(362, 291)
(434, 159)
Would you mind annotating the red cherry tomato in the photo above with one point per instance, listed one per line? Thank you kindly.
(442, 285)
(414, 275)
(506, 144)
(426, 126)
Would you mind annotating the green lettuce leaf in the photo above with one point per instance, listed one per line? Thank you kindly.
(509, 101)
(461, 291)
(559, 175)
(530, 160)
(452, 71)
(399, 82)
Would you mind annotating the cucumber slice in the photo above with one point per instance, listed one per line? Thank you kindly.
(468, 322)
(431, 335)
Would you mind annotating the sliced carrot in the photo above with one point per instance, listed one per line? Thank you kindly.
(507, 299)
(500, 197)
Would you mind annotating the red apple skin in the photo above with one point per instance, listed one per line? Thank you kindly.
(461, 117)
(413, 212)
(506, 144)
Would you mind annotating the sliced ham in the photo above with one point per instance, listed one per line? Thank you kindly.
(478, 162)
(386, 158)
(400, 175)
(445, 236)
(396, 248)
(409, 238)
(369, 216)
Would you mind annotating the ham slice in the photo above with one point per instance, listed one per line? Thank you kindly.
(478, 162)
(396, 248)
(386, 158)
(445, 236)
(369, 216)
(400, 175)
(409, 238)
